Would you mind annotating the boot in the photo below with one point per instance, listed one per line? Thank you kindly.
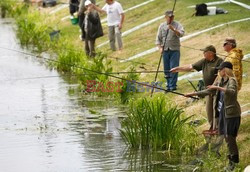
(230, 166)
(235, 158)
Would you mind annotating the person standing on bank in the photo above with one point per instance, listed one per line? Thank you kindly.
(234, 56)
(73, 6)
(227, 108)
(168, 35)
(92, 28)
(115, 19)
(81, 16)
(207, 65)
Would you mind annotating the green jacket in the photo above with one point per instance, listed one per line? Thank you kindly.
(231, 105)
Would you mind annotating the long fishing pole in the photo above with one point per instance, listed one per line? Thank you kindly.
(161, 56)
(117, 58)
(215, 53)
(71, 75)
(30, 54)
(42, 77)
(110, 75)
(113, 76)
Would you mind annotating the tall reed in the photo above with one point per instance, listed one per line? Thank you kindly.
(152, 123)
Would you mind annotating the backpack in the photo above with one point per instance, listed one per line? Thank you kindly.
(201, 10)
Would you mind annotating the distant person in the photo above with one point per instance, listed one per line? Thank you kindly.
(73, 6)
(234, 56)
(207, 65)
(170, 31)
(227, 107)
(115, 19)
(92, 28)
(81, 15)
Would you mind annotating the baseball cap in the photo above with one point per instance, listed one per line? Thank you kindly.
(87, 2)
(209, 48)
(225, 65)
(169, 13)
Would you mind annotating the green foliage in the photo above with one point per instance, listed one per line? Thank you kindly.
(36, 32)
(126, 93)
(152, 123)
(33, 31)
(7, 6)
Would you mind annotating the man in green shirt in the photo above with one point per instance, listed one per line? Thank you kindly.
(207, 65)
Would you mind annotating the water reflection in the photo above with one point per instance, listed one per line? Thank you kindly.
(42, 128)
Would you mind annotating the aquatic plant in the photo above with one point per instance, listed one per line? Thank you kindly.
(152, 123)
(6, 6)
(127, 92)
(36, 32)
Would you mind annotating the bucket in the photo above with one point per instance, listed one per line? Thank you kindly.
(211, 11)
(74, 20)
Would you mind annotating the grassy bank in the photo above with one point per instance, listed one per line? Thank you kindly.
(37, 24)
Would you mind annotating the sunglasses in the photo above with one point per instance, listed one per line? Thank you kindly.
(227, 43)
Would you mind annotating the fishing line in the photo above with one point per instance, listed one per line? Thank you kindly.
(125, 60)
(110, 75)
(38, 56)
(41, 77)
(215, 53)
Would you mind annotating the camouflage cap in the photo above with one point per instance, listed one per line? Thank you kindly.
(230, 40)
(209, 48)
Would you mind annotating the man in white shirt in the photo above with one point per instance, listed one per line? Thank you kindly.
(115, 18)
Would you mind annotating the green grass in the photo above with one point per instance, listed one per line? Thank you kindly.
(152, 123)
(144, 39)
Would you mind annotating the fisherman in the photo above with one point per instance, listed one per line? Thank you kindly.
(81, 16)
(115, 19)
(227, 108)
(92, 28)
(234, 56)
(168, 35)
(207, 66)
(73, 6)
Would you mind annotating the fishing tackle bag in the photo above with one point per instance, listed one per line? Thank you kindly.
(201, 9)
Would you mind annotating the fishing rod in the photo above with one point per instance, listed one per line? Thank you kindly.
(30, 54)
(56, 76)
(192, 85)
(110, 75)
(215, 53)
(161, 56)
(117, 58)
(113, 76)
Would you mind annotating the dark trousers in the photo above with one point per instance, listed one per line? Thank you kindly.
(81, 24)
(232, 148)
(231, 127)
(90, 47)
(73, 8)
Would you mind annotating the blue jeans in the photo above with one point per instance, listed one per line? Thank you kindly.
(171, 59)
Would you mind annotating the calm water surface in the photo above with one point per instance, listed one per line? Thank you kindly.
(43, 128)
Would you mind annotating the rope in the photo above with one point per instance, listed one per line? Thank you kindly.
(216, 54)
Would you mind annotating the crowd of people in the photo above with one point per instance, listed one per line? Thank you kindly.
(222, 79)
(222, 76)
(90, 23)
